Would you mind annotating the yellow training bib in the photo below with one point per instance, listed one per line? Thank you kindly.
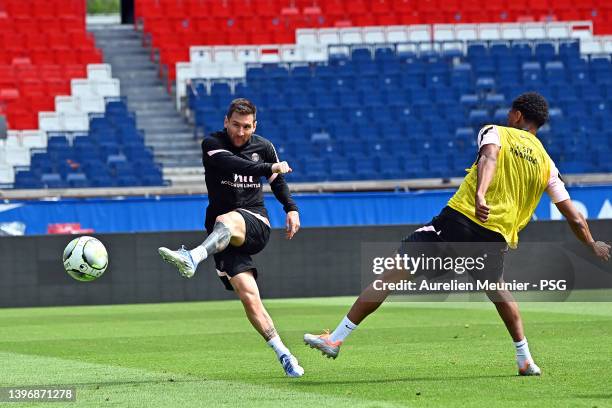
(521, 176)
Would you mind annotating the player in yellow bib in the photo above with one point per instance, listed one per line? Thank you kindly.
(494, 202)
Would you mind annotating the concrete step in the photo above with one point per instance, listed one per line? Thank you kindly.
(169, 163)
(156, 108)
(149, 88)
(151, 82)
(173, 139)
(171, 146)
(184, 171)
(163, 122)
(131, 74)
(136, 97)
(116, 54)
(166, 132)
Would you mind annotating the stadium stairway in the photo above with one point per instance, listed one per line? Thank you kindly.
(165, 130)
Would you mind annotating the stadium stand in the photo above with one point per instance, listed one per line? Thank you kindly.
(367, 90)
(315, 45)
(172, 26)
(43, 45)
(111, 153)
(350, 118)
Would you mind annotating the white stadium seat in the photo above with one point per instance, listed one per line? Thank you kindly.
(534, 31)
(269, 54)
(512, 31)
(591, 46)
(489, 32)
(200, 54)
(419, 33)
(558, 30)
(444, 32)
(207, 70)
(466, 32)
(307, 36)
(82, 87)
(224, 54)
(351, 36)
(107, 87)
(99, 71)
(33, 139)
(291, 53)
(233, 70)
(315, 53)
(49, 121)
(248, 54)
(397, 34)
(15, 155)
(329, 36)
(13, 139)
(374, 35)
(74, 121)
(66, 104)
(91, 105)
(7, 173)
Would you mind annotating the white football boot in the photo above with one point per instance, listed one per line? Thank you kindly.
(181, 259)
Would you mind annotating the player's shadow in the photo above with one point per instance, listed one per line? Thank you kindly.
(405, 379)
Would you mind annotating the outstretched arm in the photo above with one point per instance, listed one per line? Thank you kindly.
(580, 228)
(215, 155)
(487, 162)
(283, 195)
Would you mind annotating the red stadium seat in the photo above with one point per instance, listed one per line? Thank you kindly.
(43, 44)
(182, 23)
(9, 95)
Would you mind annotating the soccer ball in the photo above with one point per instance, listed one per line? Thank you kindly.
(85, 258)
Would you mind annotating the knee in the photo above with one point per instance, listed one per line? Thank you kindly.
(249, 298)
(493, 295)
(225, 219)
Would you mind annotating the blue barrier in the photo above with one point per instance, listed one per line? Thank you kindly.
(316, 210)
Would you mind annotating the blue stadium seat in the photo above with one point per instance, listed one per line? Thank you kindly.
(53, 180)
(77, 180)
(485, 84)
(361, 55)
(478, 117)
(500, 51)
(555, 73)
(545, 51)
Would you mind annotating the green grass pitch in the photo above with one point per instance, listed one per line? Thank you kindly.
(407, 354)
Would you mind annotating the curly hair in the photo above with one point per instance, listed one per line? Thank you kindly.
(533, 106)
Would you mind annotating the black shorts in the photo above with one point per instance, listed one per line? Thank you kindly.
(234, 260)
(452, 234)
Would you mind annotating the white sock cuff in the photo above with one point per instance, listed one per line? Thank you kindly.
(198, 254)
(521, 343)
(349, 325)
(274, 341)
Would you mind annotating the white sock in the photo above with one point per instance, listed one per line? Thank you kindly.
(277, 345)
(198, 254)
(522, 352)
(345, 328)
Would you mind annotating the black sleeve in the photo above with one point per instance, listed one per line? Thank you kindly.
(213, 154)
(279, 185)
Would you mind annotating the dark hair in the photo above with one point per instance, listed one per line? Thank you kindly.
(242, 106)
(533, 106)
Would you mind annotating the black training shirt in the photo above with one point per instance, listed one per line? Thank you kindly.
(233, 176)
